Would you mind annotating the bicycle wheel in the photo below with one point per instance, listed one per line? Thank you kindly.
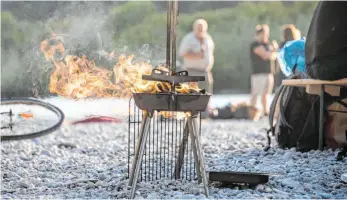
(32, 102)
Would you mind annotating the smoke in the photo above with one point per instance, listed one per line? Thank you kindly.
(23, 67)
(88, 31)
(86, 28)
(9, 66)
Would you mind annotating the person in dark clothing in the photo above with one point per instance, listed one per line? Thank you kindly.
(262, 80)
(289, 33)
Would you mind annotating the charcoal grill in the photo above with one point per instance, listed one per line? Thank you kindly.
(191, 104)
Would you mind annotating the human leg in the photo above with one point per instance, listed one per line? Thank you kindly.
(254, 90)
(268, 87)
(209, 82)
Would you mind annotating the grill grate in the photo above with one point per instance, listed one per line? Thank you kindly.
(160, 159)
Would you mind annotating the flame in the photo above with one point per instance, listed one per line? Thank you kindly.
(78, 78)
(175, 115)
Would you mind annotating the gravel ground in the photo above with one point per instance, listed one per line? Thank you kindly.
(90, 161)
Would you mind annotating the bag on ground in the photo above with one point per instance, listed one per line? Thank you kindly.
(297, 121)
(294, 119)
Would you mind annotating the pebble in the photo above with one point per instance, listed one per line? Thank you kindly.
(260, 188)
(241, 169)
(341, 196)
(102, 177)
(36, 182)
(45, 152)
(268, 190)
(288, 155)
(99, 183)
(90, 185)
(23, 184)
(24, 157)
(325, 195)
(316, 197)
(49, 167)
(21, 172)
(189, 196)
(153, 196)
(196, 191)
(290, 183)
(344, 177)
(12, 174)
(337, 186)
(91, 160)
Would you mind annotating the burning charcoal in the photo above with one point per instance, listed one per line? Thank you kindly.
(179, 89)
(162, 87)
(193, 91)
(159, 87)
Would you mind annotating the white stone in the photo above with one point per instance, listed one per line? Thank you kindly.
(23, 184)
(316, 174)
(288, 155)
(344, 177)
(290, 183)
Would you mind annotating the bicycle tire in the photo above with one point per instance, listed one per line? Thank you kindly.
(27, 101)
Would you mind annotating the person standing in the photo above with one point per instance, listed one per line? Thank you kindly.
(197, 49)
(262, 53)
(289, 33)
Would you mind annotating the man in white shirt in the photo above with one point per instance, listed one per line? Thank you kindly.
(197, 49)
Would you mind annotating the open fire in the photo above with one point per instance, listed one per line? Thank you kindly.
(77, 77)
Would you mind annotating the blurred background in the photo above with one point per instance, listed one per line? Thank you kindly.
(134, 27)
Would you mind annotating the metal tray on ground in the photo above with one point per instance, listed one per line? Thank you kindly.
(171, 102)
(230, 177)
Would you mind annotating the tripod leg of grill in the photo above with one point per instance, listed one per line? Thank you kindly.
(194, 148)
(201, 157)
(136, 153)
(139, 155)
(182, 148)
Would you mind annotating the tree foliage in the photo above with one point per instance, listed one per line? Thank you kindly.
(141, 27)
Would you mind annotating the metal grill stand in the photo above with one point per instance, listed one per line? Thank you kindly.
(191, 104)
(196, 147)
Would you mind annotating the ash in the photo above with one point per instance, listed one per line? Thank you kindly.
(90, 161)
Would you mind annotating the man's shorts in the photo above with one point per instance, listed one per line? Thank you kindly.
(262, 84)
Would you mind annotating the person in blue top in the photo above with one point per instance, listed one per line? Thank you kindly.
(289, 33)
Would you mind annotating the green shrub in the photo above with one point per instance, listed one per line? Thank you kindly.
(134, 24)
(11, 34)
